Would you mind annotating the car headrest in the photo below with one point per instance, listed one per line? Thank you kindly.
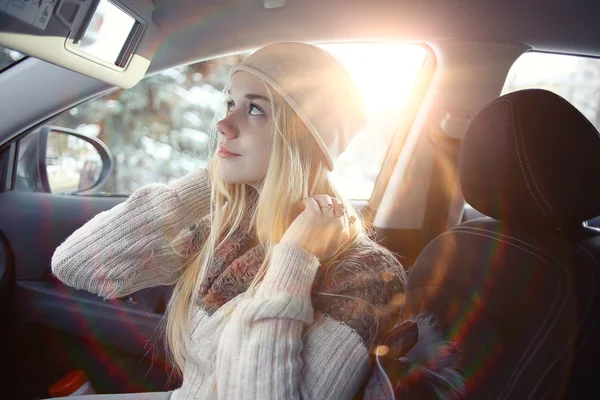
(530, 158)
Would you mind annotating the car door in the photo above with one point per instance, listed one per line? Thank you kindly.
(57, 329)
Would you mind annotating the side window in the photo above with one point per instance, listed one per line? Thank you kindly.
(575, 78)
(385, 75)
(157, 131)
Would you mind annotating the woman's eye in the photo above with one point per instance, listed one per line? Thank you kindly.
(230, 105)
(254, 110)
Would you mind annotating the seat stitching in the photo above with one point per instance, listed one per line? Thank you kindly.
(527, 159)
(542, 251)
(528, 354)
(478, 219)
(585, 337)
(512, 119)
(519, 368)
(573, 337)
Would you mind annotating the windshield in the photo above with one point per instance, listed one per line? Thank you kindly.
(8, 57)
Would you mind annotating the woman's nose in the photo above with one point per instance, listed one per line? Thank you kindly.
(227, 128)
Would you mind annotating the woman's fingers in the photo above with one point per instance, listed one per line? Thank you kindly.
(339, 211)
(309, 203)
(321, 228)
(338, 208)
(325, 204)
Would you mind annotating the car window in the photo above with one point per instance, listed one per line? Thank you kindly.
(8, 57)
(575, 78)
(384, 75)
(157, 131)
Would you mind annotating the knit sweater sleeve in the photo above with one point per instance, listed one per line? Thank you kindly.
(137, 244)
(276, 346)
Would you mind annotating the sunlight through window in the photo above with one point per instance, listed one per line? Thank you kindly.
(385, 75)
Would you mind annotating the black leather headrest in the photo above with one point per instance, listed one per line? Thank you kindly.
(531, 158)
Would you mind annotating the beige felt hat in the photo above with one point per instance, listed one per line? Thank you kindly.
(316, 86)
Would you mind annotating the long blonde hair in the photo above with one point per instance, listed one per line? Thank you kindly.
(296, 170)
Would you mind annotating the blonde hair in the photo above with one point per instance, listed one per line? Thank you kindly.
(296, 170)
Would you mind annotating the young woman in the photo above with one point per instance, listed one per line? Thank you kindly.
(279, 293)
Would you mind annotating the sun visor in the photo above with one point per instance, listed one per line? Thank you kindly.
(106, 39)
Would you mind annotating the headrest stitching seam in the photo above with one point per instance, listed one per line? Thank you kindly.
(512, 119)
(486, 107)
(527, 159)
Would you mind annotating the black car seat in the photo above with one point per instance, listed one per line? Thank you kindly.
(519, 291)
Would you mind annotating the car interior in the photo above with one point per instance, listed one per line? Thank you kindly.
(484, 185)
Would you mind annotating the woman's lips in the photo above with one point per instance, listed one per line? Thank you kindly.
(224, 153)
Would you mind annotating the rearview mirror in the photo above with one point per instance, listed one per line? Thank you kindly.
(62, 161)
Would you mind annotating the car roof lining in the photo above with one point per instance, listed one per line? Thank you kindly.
(194, 31)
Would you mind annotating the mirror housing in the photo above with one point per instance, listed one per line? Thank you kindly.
(83, 176)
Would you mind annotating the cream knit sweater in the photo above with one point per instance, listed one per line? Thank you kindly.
(274, 345)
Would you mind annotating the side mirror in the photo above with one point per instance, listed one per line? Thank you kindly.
(60, 160)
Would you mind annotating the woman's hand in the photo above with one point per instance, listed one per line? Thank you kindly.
(321, 228)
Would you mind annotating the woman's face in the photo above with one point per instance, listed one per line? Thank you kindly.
(246, 132)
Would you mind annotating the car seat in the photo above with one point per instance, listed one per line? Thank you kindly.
(519, 290)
